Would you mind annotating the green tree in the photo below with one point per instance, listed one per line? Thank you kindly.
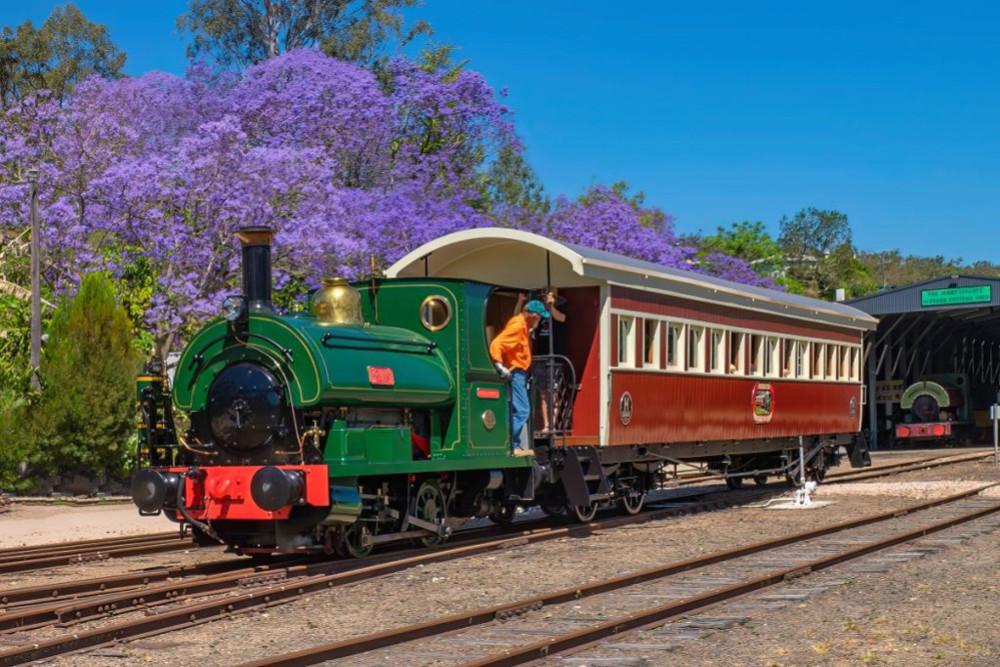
(55, 57)
(513, 184)
(82, 421)
(245, 32)
(820, 254)
(891, 269)
(748, 241)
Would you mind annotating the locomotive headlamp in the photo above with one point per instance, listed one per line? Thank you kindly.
(233, 308)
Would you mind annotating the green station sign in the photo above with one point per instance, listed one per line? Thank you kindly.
(954, 296)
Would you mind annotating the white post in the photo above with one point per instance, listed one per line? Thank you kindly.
(802, 464)
(995, 413)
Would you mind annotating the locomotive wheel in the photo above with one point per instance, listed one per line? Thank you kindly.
(351, 540)
(429, 505)
(734, 482)
(631, 502)
(585, 513)
(760, 480)
(504, 514)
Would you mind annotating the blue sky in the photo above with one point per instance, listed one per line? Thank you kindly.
(725, 111)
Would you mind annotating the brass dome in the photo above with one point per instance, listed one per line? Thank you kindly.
(336, 302)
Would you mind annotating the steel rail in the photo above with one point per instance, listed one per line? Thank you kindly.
(575, 641)
(82, 545)
(132, 596)
(72, 590)
(74, 557)
(366, 643)
(192, 614)
(851, 475)
(861, 475)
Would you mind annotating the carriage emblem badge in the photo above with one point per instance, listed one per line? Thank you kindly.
(763, 403)
(625, 408)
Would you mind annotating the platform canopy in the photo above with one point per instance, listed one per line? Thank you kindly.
(522, 260)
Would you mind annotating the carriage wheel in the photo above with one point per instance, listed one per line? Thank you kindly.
(429, 505)
(504, 514)
(760, 480)
(585, 513)
(734, 482)
(631, 503)
(352, 540)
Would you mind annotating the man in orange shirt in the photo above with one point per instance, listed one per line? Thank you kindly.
(511, 352)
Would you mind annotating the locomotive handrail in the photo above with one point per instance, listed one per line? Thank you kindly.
(372, 345)
(286, 352)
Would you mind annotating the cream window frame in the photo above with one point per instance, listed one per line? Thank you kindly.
(737, 349)
(651, 346)
(626, 341)
(695, 344)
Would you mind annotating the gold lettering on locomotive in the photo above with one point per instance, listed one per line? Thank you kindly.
(763, 403)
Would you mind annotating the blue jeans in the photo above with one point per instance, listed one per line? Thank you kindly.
(519, 401)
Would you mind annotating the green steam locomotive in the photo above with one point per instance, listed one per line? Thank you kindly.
(372, 418)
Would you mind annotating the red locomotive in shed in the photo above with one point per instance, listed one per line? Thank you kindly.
(660, 365)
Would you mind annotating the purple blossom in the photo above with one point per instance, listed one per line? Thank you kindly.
(344, 166)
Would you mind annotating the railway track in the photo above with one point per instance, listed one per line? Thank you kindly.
(174, 598)
(581, 617)
(24, 559)
(174, 605)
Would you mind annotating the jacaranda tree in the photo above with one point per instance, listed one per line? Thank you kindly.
(149, 178)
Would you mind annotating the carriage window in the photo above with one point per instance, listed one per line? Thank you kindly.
(696, 348)
(651, 343)
(717, 353)
(435, 313)
(831, 362)
(819, 354)
(771, 358)
(855, 366)
(788, 359)
(737, 359)
(757, 355)
(675, 334)
(802, 359)
(626, 341)
(845, 363)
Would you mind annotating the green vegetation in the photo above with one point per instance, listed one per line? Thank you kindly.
(64, 50)
(81, 421)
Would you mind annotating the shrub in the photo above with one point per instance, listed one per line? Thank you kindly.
(81, 422)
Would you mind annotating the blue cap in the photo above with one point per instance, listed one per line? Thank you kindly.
(536, 307)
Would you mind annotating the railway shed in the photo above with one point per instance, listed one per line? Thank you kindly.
(944, 331)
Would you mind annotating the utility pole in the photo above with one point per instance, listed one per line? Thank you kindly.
(36, 282)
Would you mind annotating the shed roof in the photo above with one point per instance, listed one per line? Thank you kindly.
(518, 259)
(947, 295)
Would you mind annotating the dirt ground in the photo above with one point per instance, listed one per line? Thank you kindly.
(938, 610)
(27, 524)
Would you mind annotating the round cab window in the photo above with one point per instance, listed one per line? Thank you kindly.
(435, 312)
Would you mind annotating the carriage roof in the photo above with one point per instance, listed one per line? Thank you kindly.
(520, 259)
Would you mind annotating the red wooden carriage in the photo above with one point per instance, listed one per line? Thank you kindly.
(671, 364)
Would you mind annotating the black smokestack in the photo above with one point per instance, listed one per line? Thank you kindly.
(256, 243)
